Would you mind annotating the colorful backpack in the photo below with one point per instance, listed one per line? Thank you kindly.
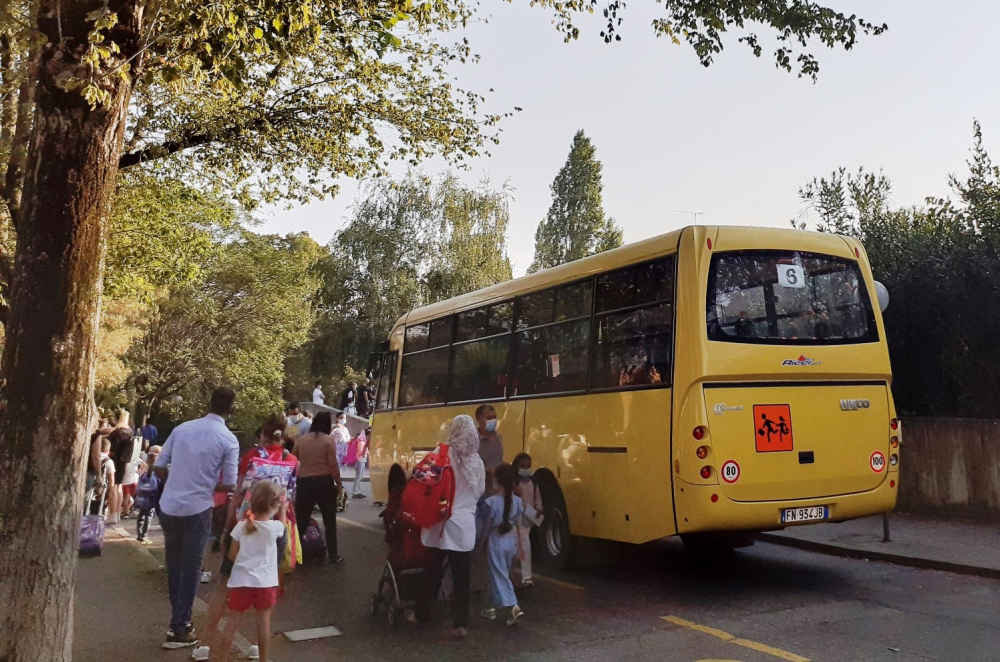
(430, 493)
(147, 491)
(267, 466)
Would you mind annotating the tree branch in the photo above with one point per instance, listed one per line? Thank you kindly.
(164, 149)
(14, 181)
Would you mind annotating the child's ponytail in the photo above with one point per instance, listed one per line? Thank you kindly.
(505, 479)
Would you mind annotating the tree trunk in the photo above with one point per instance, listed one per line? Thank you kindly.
(48, 360)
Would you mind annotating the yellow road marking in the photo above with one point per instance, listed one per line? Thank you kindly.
(725, 636)
(769, 650)
(732, 639)
(557, 582)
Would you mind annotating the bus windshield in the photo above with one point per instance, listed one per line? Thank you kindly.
(788, 297)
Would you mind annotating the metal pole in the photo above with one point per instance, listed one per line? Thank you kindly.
(885, 528)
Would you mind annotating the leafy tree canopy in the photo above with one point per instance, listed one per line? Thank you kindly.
(941, 264)
(407, 244)
(235, 325)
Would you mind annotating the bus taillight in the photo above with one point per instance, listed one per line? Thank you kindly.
(702, 452)
(699, 433)
(706, 471)
(894, 424)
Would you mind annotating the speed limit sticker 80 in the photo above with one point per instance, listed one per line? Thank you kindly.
(730, 471)
(877, 462)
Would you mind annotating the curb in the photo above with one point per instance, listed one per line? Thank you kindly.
(886, 557)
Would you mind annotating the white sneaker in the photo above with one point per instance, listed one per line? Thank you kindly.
(200, 653)
(206, 576)
(253, 653)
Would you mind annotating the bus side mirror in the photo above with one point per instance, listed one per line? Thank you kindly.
(883, 296)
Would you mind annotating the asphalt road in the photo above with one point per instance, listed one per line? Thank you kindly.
(652, 602)
(657, 603)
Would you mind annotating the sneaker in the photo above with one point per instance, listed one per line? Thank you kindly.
(527, 584)
(360, 496)
(201, 654)
(515, 615)
(459, 633)
(206, 576)
(489, 614)
(337, 561)
(253, 653)
(146, 541)
(180, 640)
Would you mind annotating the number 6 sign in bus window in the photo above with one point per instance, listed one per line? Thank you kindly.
(791, 275)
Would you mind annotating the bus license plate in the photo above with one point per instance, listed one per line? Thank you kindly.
(792, 515)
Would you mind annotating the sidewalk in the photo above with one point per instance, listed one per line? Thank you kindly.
(959, 547)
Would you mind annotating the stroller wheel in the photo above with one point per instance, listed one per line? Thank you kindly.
(393, 616)
(373, 602)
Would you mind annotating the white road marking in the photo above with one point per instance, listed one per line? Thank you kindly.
(313, 633)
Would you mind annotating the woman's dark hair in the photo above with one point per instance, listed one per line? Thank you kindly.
(518, 458)
(397, 477)
(323, 423)
(505, 476)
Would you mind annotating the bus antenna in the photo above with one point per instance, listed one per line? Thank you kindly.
(696, 214)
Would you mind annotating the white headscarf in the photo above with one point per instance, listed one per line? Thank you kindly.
(464, 442)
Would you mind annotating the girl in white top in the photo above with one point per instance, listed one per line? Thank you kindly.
(455, 538)
(253, 583)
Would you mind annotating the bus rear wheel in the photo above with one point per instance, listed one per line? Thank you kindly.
(555, 542)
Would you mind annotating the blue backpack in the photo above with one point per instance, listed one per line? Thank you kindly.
(147, 491)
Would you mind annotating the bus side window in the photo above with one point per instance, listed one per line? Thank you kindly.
(480, 353)
(552, 342)
(633, 343)
(387, 383)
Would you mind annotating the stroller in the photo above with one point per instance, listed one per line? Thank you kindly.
(403, 576)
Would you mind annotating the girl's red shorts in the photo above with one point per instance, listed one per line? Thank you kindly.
(243, 598)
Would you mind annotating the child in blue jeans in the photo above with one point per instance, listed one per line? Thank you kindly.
(503, 514)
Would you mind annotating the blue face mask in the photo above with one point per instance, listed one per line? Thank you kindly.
(525, 474)
(341, 421)
(491, 426)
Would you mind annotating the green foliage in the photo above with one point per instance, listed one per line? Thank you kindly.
(407, 244)
(162, 230)
(941, 265)
(575, 225)
(235, 325)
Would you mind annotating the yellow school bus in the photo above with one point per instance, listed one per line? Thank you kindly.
(710, 382)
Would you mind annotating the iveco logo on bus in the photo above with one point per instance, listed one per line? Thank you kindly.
(802, 360)
(854, 405)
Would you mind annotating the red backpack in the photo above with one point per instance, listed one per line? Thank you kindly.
(430, 493)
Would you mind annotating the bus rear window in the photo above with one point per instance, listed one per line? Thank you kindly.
(788, 297)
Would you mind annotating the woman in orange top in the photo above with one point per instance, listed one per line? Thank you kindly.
(318, 480)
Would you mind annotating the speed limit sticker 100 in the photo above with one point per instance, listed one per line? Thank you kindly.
(877, 462)
(730, 471)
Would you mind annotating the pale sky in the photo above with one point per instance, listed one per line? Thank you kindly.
(734, 141)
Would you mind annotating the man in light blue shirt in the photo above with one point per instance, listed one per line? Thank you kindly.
(194, 456)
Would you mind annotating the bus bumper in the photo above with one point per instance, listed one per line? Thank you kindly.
(696, 512)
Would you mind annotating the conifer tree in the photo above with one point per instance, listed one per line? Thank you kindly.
(575, 225)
